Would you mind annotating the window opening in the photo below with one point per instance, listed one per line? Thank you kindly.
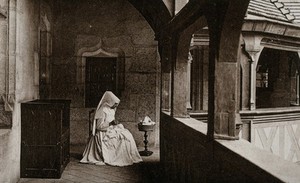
(277, 79)
(101, 76)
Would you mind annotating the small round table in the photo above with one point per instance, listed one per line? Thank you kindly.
(145, 128)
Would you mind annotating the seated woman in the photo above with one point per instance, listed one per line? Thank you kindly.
(110, 142)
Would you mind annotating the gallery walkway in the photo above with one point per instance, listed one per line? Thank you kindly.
(147, 171)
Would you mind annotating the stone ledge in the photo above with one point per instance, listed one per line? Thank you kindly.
(242, 150)
(254, 160)
(239, 155)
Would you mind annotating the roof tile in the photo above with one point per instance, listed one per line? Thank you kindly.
(280, 10)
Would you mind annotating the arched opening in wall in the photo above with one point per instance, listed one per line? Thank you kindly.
(189, 72)
(277, 79)
(199, 51)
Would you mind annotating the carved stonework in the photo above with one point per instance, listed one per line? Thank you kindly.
(97, 50)
(94, 51)
(253, 50)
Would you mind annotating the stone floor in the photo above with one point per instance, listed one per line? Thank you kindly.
(146, 171)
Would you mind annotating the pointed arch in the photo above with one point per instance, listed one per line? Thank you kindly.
(155, 12)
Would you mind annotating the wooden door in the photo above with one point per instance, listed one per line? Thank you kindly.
(100, 77)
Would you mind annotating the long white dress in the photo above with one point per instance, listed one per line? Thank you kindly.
(113, 145)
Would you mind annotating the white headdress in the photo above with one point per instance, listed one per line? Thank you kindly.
(108, 99)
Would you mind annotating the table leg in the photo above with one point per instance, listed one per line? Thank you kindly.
(145, 152)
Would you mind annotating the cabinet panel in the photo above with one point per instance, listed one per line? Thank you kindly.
(45, 137)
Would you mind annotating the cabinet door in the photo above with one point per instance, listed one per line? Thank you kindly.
(40, 136)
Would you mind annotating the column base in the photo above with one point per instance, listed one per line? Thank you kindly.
(146, 153)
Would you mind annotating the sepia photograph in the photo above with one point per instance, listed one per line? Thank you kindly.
(149, 91)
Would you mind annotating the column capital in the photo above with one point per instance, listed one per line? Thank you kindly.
(252, 46)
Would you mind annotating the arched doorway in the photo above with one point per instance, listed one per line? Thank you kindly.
(277, 79)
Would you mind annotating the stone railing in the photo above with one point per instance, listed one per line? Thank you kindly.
(187, 155)
(276, 130)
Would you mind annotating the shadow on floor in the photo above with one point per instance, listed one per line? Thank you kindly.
(147, 171)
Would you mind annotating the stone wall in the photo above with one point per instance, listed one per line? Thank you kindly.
(115, 27)
(23, 61)
(5, 116)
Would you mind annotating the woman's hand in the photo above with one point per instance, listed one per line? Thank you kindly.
(113, 123)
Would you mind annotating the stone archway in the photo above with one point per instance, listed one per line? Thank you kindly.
(277, 79)
(155, 12)
(181, 74)
(225, 20)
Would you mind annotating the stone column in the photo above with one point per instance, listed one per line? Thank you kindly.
(180, 89)
(200, 78)
(166, 91)
(298, 82)
(205, 78)
(225, 20)
(245, 82)
(297, 88)
(254, 49)
(252, 98)
(178, 77)
(189, 63)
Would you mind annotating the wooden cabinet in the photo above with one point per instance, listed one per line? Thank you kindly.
(45, 138)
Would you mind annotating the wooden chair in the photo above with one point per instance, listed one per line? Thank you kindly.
(91, 118)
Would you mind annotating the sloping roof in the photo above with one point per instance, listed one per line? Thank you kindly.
(294, 7)
(279, 10)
